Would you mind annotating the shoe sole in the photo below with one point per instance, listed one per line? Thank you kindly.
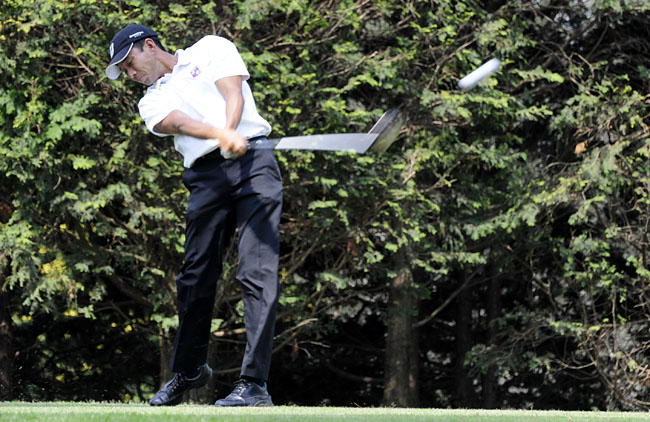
(261, 403)
(175, 402)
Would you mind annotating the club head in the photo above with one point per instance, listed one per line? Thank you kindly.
(388, 128)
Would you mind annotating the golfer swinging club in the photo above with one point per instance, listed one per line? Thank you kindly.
(201, 97)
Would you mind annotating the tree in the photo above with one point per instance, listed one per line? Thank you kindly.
(498, 246)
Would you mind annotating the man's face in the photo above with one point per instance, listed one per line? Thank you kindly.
(141, 65)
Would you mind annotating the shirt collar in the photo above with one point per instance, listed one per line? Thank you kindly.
(183, 58)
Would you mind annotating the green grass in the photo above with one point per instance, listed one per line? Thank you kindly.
(99, 412)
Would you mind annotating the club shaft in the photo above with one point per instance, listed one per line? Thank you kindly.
(349, 142)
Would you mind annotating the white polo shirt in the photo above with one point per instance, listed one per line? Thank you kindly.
(191, 89)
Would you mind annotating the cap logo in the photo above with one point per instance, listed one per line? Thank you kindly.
(112, 49)
(136, 34)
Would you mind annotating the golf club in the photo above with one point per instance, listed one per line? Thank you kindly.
(380, 137)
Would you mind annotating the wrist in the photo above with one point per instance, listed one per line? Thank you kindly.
(216, 133)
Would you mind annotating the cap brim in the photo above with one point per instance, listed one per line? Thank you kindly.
(113, 70)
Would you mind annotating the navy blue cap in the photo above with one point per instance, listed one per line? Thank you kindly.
(122, 43)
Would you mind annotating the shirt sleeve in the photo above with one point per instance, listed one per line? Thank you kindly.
(224, 59)
(155, 106)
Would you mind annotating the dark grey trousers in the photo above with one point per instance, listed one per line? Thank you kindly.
(245, 193)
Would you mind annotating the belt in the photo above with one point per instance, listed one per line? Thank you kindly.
(217, 152)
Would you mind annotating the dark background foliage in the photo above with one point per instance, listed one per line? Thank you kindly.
(495, 256)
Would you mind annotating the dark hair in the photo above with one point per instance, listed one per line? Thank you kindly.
(140, 43)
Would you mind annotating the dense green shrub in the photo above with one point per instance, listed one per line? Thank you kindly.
(504, 235)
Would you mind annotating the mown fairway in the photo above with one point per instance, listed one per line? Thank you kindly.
(73, 412)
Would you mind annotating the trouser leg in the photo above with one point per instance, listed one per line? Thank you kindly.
(258, 209)
(209, 225)
(249, 188)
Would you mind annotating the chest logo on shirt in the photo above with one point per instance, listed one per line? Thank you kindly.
(195, 72)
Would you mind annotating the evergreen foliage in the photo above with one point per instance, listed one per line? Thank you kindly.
(506, 232)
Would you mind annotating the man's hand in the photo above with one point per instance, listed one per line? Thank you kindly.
(231, 143)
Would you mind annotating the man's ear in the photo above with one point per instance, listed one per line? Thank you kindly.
(150, 44)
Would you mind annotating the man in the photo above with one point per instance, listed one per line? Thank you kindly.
(201, 97)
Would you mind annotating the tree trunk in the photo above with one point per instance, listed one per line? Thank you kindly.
(165, 346)
(6, 340)
(493, 306)
(464, 393)
(402, 352)
(414, 369)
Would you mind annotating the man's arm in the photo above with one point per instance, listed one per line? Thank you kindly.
(230, 88)
(180, 123)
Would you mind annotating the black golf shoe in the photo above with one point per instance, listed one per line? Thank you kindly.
(247, 393)
(172, 392)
